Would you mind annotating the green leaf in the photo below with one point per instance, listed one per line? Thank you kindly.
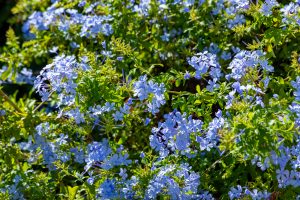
(177, 83)
(270, 50)
(197, 102)
(281, 80)
(198, 89)
(90, 191)
(72, 192)
(6, 73)
(273, 35)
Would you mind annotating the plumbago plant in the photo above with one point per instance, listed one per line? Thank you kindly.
(151, 99)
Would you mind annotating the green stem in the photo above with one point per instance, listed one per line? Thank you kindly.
(41, 103)
(217, 161)
(176, 92)
(6, 98)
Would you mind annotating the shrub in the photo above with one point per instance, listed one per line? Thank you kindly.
(151, 99)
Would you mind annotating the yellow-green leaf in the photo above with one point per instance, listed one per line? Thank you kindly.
(72, 192)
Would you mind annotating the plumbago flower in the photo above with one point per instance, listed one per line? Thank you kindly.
(14, 190)
(100, 154)
(210, 138)
(247, 59)
(51, 151)
(59, 76)
(165, 182)
(295, 106)
(239, 192)
(207, 62)
(25, 76)
(243, 63)
(144, 89)
(266, 7)
(90, 25)
(202, 62)
(290, 14)
(286, 163)
(287, 160)
(114, 189)
(143, 7)
(174, 135)
(233, 9)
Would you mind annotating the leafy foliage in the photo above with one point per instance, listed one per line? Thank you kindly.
(151, 99)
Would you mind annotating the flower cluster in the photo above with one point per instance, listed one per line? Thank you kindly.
(266, 7)
(174, 134)
(164, 182)
(100, 154)
(295, 106)
(247, 59)
(210, 139)
(112, 189)
(64, 19)
(25, 76)
(201, 62)
(239, 192)
(290, 13)
(59, 77)
(144, 89)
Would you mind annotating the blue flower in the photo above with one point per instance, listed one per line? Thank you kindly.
(123, 173)
(212, 85)
(147, 121)
(296, 86)
(42, 128)
(59, 76)
(79, 155)
(290, 13)
(143, 7)
(247, 59)
(81, 4)
(235, 192)
(213, 48)
(143, 88)
(201, 62)
(115, 160)
(91, 180)
(174, 133)
(120, 58)
(2, 112)
(237, 20)
(187, 75)
(255, 194)
(76, 115)
(226, 55)
(107, 190)
(266, 8)
(118, 116)
(142, 155)
(163, 183)
(97, 151)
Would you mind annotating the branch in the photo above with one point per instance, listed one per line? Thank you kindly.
(41, 103)
(6, 98)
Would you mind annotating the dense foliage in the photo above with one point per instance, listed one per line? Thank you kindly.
(151, 99)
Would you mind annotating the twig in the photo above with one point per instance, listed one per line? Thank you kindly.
(6, 98)
(217, 161)
(176, 92)
(41, 103)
